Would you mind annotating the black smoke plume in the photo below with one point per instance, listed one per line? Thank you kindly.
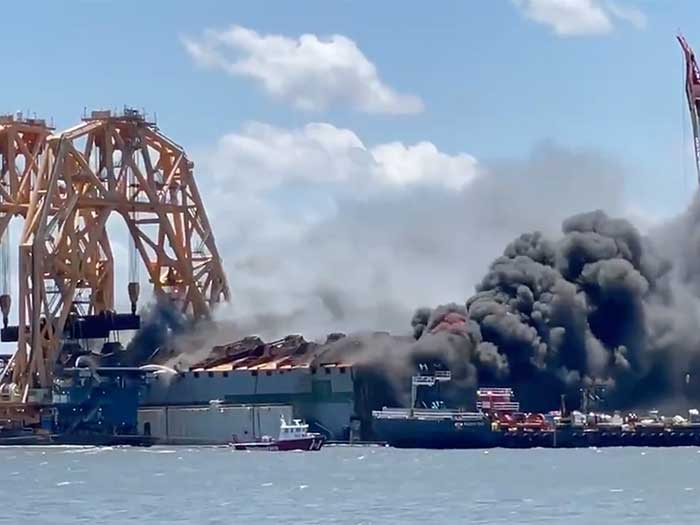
(154, 342)
(598, 306)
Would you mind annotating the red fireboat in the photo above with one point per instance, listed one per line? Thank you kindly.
(292, 436)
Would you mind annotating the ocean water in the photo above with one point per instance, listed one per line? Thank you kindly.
(348, 485)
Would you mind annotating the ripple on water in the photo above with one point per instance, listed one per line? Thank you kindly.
(388, 487)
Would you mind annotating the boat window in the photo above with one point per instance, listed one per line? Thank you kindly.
(196, 374)
(211, 374)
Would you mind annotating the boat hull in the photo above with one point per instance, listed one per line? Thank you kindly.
(443, 433)
(450, 434)
(312, 443)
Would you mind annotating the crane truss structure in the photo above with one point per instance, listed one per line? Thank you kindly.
(692, 93)
(66, 186)
(22, 143)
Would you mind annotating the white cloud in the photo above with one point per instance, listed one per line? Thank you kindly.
(324, 156)
(423, 163)
(310, 72)
(580, 17)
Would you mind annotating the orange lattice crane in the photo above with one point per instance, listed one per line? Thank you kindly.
(68, 186)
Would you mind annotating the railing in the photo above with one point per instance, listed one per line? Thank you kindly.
(485, 392)
(505, 406)
(422, 413)
(423, 381)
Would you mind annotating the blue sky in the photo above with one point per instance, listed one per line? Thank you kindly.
(495, 79)
(494, 83)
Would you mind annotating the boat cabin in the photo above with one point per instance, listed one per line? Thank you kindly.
(294, 430)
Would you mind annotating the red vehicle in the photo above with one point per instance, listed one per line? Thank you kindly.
(521, 421)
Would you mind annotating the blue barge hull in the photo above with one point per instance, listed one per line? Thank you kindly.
(455, 430)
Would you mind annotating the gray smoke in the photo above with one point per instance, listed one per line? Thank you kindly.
(389, 361)
(365, 267)
(597, 305)
(592, 304)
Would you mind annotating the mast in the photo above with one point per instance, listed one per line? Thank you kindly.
(692, 93)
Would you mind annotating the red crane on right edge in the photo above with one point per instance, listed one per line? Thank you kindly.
(692, 93)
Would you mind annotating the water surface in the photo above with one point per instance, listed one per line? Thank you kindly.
(349, 485)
